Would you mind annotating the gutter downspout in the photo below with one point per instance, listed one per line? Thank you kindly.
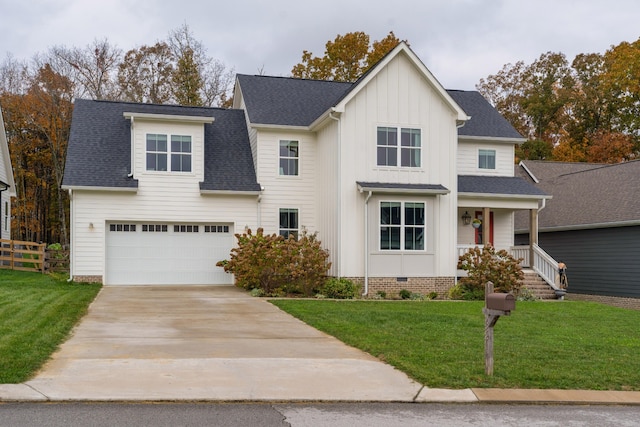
(72, 236)
(366, 245)
(259, 211)
(133, 151)
(338, 193)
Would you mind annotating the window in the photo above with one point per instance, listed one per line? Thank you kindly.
(410, 152)
(122, 227)
(487, 159)
(180, 153)
(186, 229)
(155, 228)
(216, 228)
(158, 158)
(402, 226)
(289, 158)
(289, 223)
(6, 216)
(156, 152)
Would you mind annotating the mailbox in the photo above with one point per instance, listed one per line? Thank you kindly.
(501, 302)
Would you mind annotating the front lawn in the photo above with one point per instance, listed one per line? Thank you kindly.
(565, 345)
(37, 312)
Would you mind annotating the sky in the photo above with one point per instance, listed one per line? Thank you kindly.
(460, 41)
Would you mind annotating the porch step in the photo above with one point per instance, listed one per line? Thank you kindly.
(537, 286)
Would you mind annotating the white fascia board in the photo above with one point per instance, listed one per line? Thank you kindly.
(230, 193)
(504, 196)
(279, 127)
(168, 117)
(501, 140)
(629, 223)
(375, 190)
(108, 189)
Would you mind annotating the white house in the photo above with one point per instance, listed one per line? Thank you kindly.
(383, 169)
(7, 184)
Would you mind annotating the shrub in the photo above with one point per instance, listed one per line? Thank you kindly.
(381, 295)
(339, 288)
(277, 265)
(484, 265)
(432, 295)
(404, 294)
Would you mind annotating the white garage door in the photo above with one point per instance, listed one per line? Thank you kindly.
(167, 253)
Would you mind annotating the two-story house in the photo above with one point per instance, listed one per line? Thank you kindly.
(389, 171)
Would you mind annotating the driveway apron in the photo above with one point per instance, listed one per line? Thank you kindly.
(208, 343)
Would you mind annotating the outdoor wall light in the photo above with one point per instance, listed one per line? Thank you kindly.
(91, 225)
(466, 218)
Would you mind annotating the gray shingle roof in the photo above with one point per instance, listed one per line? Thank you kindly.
(298, 102)
(586, 194)
(99, 151)
(485, 120)
(509, 185)
(415, 188)
(287, 101)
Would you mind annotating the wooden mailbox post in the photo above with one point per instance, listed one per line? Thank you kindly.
(495, 305)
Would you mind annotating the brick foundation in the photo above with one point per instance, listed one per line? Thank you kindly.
(393, 285)
(632, 303)
(87, 279)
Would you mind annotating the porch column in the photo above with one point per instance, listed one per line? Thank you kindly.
(486, 226)
(533, 234)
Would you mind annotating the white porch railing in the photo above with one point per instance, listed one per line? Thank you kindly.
(543, 264)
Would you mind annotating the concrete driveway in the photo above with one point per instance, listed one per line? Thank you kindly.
(208, 343)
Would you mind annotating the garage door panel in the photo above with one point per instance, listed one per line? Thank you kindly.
(167, 257)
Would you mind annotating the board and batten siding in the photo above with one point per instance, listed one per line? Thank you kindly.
(327, 194)
(468, 158)
(296, 192)
(601, 261)
(154, 203)
(398, 95)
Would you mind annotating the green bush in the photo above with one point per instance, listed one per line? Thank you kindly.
(484, 265)
(277, 265)
(432, 295)
(405, 294)
(339, 288)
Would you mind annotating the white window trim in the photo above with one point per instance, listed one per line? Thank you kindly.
(495, 160)
(168, 153)
(278, 174)
(399, 147)
(402, 227)
(297, 209)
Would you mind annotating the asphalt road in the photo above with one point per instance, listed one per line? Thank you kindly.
(297, 415)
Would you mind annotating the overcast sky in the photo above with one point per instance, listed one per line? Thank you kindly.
(460, 41)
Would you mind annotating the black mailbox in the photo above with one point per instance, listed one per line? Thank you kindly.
(501, 302)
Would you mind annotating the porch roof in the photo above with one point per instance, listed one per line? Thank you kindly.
(392, 187)
(496, 186)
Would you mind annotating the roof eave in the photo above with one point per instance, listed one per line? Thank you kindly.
(505, 196)
(99, 188)
(575, 227)
(270, 126)
(425, 191)
(231, 192)
(504, 140)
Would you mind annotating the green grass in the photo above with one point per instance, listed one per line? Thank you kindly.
(37, 312)
(565, 345)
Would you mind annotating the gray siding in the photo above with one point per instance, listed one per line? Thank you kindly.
(599, 262)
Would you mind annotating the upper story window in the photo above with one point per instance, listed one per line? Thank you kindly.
(180, 153)
(486, 159)
(408, 154)
(289, 158)
(402, 226)
(158, 158)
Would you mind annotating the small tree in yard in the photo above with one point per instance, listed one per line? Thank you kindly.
(483, 265)
(277, 265)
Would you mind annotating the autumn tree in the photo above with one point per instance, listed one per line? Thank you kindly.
(345, 59)
(92, 69)
(38, 123)
(146, 74)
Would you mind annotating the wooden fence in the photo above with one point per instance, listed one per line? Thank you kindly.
(31, 256)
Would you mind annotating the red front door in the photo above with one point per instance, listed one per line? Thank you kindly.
(479, 237)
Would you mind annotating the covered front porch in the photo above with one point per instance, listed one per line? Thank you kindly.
(486, 209)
